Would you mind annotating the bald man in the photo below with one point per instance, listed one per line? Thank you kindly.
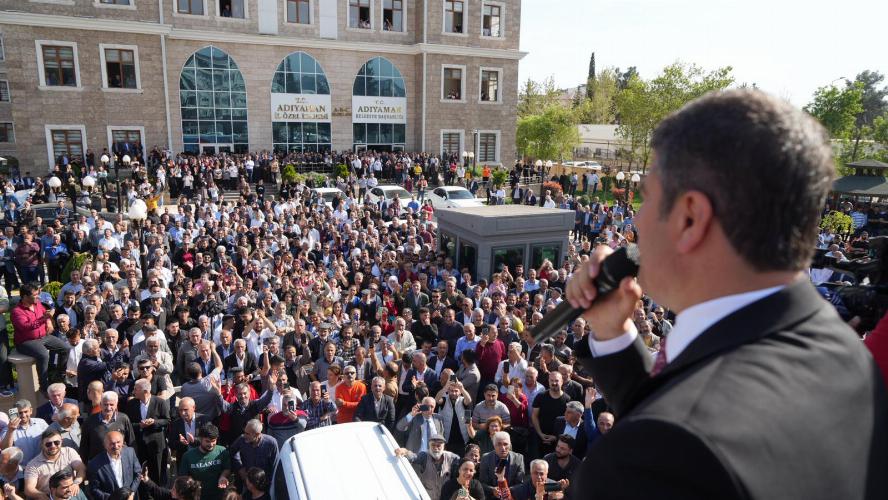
(116, 468)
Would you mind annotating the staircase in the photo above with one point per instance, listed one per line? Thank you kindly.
(271, 193)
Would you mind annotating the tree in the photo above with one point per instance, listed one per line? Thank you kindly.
(590, 92)
(874, 106)
(601, 106)
(837, 109)
(623, 78)
(535, 97)
(641, 105)
(550, 135)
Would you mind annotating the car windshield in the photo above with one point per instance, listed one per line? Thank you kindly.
(401, 192)
(328, 196)
(460, 194)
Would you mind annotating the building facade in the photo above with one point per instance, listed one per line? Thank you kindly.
(206, 76)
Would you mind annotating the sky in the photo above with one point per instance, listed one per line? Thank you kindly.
(786, 47)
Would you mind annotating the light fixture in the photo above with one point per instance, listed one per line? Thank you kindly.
(621, 176)
(105, 159)
(465, 154)
(138, 210)
(471, 155)
(126, 159)
(548, 163)
(54, 182)
(88, 181)
(539, 163)
(636, 178)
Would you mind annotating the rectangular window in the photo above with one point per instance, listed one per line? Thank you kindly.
(120, 137)
(492, 22)
(453, 84)
(453, 16)
(120, 65)
(6, 133)
(487, 147)
(193, 7)
(450, 143)
(393, 15)
(232, 8)
(546, 251)
(298, 11)
(359, 14)
(2, 50)
(59, 66)
(68, 142)
(509, 256)
(489, 85)
(4, 91)
(115, 2)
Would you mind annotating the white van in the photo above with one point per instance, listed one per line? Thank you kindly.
(354, 461)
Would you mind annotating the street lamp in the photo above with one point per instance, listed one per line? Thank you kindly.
(88, 183)
(126, 162)
(138, 212)
(620, 177)
(54, 184)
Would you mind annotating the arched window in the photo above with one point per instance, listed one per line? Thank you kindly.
(378, 77)
(213, 100)
(301, 108)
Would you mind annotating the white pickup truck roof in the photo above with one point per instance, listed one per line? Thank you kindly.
(353, 461)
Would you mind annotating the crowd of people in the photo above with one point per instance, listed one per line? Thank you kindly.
(187, 347)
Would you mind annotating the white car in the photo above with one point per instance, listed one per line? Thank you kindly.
(388, 192)
(310, 466)
(328, 194)
(453, 197)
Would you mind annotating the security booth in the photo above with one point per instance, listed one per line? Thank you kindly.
(483, 239)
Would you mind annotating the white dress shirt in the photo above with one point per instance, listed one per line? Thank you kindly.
(689, 324)
(117, 467)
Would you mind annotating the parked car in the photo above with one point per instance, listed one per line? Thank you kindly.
(328, 194)
(311, 464)
(388, 192)
(453, 197)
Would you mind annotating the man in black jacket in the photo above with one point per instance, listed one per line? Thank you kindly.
(150, 416)
(96, 426)
(753, 342)
(376, 406)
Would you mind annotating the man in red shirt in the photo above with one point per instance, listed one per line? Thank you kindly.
(31, 323)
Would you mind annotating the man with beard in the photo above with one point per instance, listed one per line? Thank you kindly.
(52, 458)
(208, 463)
(562, 462)
(432, 466)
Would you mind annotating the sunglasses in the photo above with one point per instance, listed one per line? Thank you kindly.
(51, 444)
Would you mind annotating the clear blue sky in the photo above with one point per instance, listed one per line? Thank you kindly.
(787, 47)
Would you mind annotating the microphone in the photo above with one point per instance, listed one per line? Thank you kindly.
(615, 267)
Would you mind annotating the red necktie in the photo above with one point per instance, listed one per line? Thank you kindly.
(660, 362)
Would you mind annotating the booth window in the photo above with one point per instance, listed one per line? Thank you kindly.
(232, 8)
(545, 251)
(359, 14)
(115, 2)
(492, 21)
(508, 256)
(468, 257)
(453, 16)
(393, 15)
(298, 11)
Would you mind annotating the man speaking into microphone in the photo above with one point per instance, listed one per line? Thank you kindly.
(761, 391)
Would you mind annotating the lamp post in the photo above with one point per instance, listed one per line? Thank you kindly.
(472, 161)
(635, 180)
(88, 183)
(126, 164)
(621, 177)
(54, 184)
(539, 168)
(138, 212)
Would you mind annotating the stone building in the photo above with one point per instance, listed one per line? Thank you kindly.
(253, 75)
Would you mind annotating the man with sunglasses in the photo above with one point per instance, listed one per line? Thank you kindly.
(52, 458)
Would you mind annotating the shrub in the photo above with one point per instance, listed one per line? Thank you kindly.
(555, 187)
(837, 223)
(499, 177)
(75, 262)
(340, 170)
(288, 174)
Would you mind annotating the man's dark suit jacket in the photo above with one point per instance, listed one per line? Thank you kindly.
(580, 442)
(102, 482)
(366, 411)
(158, 409)
(250, 364)
(752, 408)
(487, 470)
(45, 411)
(449, 362)
(177, 427)
(93, 430)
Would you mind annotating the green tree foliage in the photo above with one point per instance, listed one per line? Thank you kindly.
(551, 134)
(624, 77)
(837, 109)
(601, 106)
(535, 97)
(590, 91)
(642, 104)
(874, 106)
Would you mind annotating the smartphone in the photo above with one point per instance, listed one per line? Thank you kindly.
(144, 466)
(468, 415)
(291, 405)
(285, 386)
(505, 367)
(13, 413)
(424, 407)
(549, 487)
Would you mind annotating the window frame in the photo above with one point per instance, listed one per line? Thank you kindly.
(494, 249)
(553, 244)
(41, 69)
(465, 77)
(100, 5)
(128, 128)
(176, 13)
(382, 10)
(465, 20)
(12, 132)
(48, 129)
(348, 26)
(2, 48)
(310, 12)
(8, 92)
(499, 93)
(462, 139)
(232, 19)
(497, 149)
(502, 7)
(104, 67)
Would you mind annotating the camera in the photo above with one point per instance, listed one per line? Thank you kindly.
(553, 486)
(424, 407)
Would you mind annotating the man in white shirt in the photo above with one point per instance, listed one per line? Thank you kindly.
(117, 468)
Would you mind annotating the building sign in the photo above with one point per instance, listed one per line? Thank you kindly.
(366, 109)
(301, 107)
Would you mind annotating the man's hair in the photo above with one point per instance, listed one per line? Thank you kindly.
(737, 146)
(575, 406)
(539, 462)
(57, 387)
(258, 478)
(22, 404)
(28, 288)
(208, 430)
(186, 488)
(502, 436)
(56, 479)
(193, 371)
(568, 440)
(13, 454)
(253, 425)
(48, 433)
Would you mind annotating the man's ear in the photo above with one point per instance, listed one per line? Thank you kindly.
(693, 215)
